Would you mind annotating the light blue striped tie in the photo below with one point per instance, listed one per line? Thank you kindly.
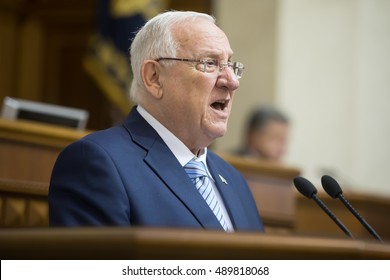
(197, 172)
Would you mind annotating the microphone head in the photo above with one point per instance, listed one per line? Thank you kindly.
(331, 186)
(305, 187)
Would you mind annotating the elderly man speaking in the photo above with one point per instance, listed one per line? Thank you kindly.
(154, 169)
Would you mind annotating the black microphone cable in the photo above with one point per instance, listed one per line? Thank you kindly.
(333, 189)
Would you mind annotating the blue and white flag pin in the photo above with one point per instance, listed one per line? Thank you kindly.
(222, 179)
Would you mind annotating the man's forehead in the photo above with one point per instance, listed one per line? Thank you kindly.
(206, 38)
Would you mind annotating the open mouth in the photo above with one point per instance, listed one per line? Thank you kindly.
(220, 105)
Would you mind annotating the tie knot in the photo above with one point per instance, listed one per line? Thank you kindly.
(195, 169)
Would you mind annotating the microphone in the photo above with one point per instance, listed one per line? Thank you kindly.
(306, 188)
(333, 189)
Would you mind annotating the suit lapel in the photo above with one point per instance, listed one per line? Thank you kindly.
(163, 163)
(227, 189)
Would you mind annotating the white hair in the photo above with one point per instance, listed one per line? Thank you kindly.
(155, 40)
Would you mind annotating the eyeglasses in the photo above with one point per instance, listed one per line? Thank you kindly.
(211, 65)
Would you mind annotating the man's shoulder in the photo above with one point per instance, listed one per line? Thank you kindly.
(114, 133)
(132, 121)
(220, 161)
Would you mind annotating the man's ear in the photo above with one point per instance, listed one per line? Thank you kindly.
(151, 77)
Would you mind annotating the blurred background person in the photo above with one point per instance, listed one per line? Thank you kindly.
(266, 135)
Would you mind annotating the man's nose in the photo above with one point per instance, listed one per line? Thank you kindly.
(227, 78)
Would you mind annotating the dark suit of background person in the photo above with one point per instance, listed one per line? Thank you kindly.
(128, 176)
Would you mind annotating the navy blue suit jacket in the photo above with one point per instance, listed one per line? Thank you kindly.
(126, 175)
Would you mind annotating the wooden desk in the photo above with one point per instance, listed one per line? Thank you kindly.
(28, 150)
(148, 243)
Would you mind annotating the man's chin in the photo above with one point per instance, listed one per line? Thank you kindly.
(217, 132)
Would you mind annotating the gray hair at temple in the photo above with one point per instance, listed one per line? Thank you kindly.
(155, 40)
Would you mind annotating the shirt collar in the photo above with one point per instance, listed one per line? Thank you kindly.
(181, 152)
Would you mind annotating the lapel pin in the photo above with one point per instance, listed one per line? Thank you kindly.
(222, 179)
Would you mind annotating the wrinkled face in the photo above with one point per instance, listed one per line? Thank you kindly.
(198, 103)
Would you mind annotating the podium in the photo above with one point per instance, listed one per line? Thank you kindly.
(158, 243)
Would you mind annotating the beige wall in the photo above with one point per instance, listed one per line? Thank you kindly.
(329, 69)
(253, 42)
